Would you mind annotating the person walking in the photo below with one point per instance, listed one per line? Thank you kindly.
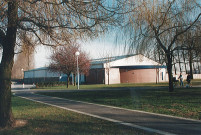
(181, 80)
(188, 81)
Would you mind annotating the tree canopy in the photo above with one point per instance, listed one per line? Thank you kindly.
(47, 22)
(63, 60)
(158, 25)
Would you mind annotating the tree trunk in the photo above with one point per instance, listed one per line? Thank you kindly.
(179, 61)
(190, 63)
(175, 71)
(74, 77)
(68, 80)
(169, 68)
(198, 65)
(184, 61)
(108, 77)
(6, 117)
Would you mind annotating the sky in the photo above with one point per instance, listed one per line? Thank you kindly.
(97, 48)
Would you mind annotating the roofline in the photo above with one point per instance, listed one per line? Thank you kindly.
(140, 67)
(110, 59)
(36, 69)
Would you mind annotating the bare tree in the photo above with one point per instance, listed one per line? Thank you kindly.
(161, 22)
(48, 22)
(24, 59)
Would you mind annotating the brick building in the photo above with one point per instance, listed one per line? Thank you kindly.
(126, 69)
(112, 70)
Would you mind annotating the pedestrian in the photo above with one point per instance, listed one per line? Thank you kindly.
(188, 81)
(181, 80)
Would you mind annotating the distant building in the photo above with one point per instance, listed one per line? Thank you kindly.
(118, 69)
(44, 75)
(126, 69)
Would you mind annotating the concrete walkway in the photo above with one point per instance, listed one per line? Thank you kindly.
(149, 122)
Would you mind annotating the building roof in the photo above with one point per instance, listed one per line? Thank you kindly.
(93, 61)
(109, 59)
(36, 69)
(140, 67)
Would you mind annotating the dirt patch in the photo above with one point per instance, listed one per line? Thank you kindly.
(17, 124)
(20, 123)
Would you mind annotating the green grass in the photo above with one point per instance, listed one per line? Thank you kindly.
(103, 86)
(182, 102)
(196, 82)
(46, 120)
(124, 85)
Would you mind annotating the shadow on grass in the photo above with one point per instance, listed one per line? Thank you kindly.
(47, 120)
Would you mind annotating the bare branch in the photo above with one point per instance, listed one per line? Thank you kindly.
(185, 30)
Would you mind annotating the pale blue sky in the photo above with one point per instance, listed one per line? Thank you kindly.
(97, 48)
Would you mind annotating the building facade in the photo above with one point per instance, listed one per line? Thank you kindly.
(45, 75)
(126, 69)
(111, 70)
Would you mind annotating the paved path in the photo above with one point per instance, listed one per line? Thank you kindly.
(155, 123)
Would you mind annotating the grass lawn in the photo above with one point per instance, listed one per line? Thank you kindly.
(183, 102)
(103, 86)
(47, 120)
